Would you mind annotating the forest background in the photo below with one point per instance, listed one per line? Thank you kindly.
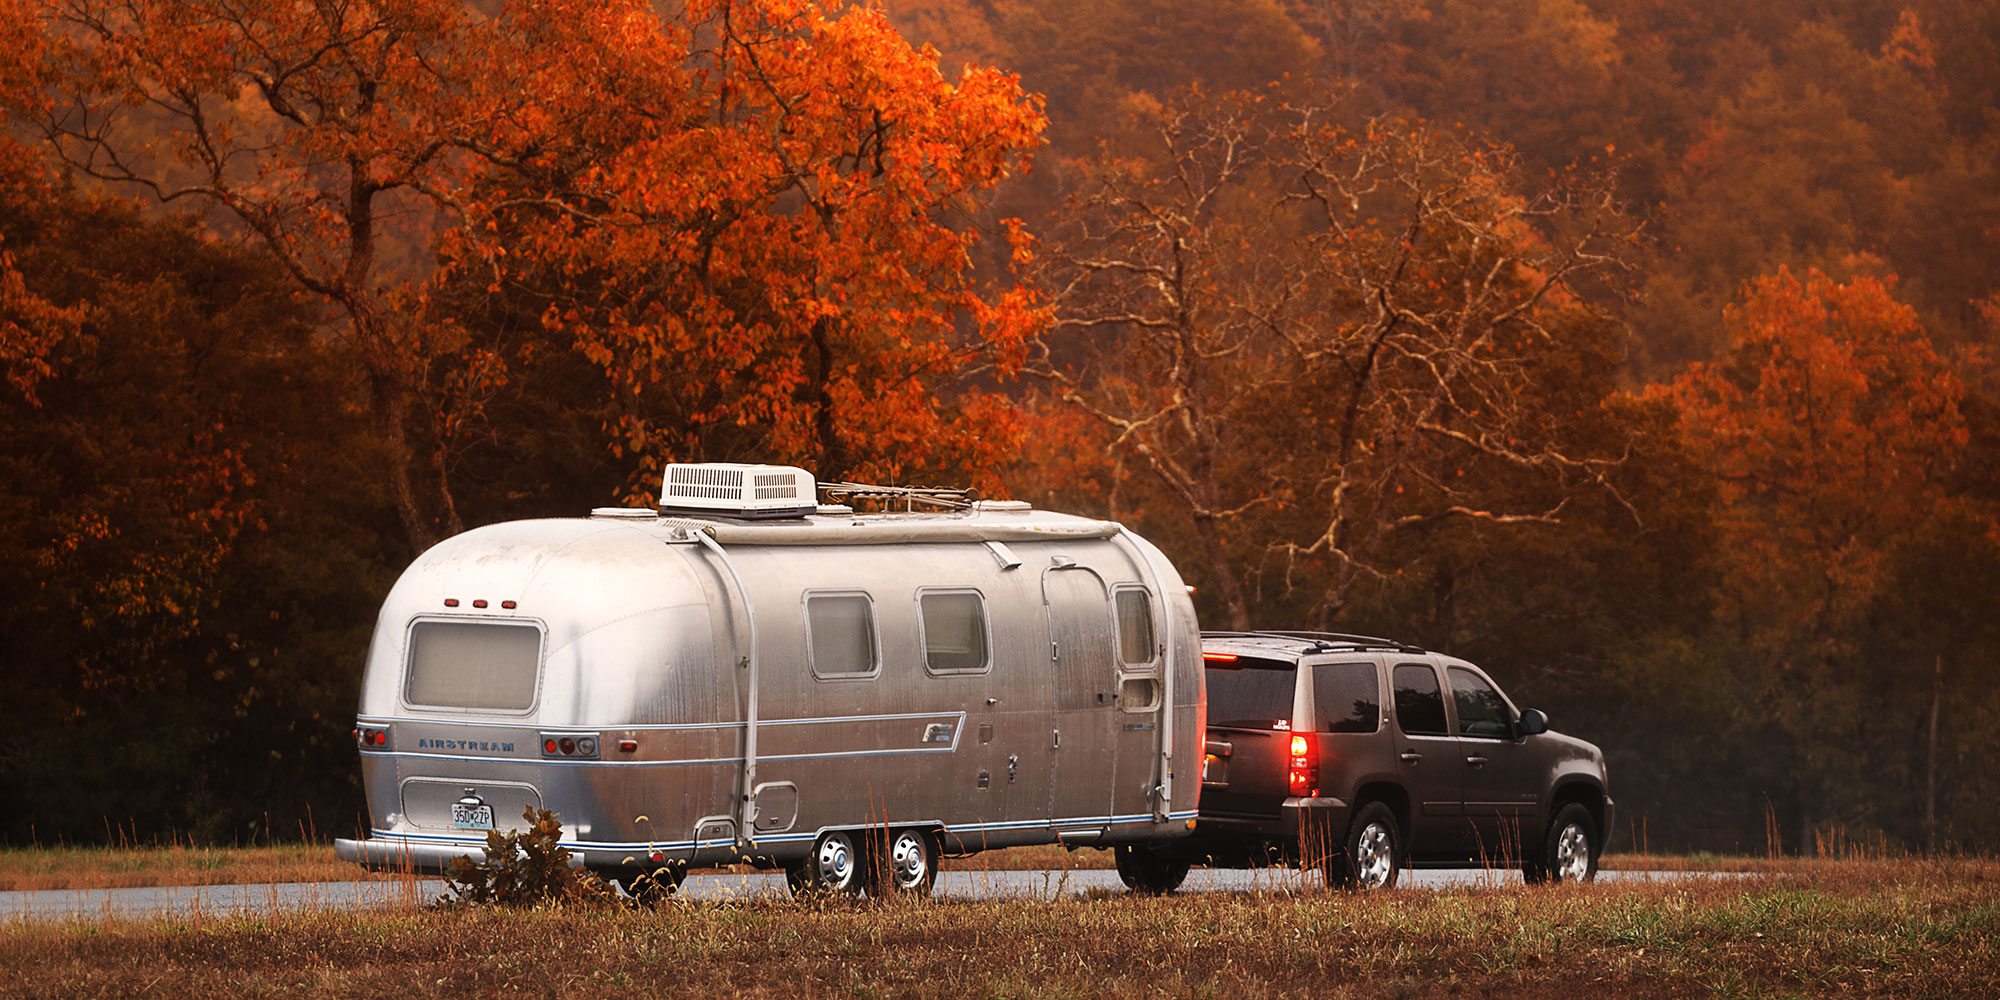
(1641, 351)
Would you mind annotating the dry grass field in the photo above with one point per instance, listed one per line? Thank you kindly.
(120, 867)
(1886, 928)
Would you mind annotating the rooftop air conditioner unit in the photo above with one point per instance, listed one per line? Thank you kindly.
(753, 491)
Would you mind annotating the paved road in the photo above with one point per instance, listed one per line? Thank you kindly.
(56, 904)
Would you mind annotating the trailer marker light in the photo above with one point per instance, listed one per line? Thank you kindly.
(480, 603)
(509, 605)
(451, 602)
(1219, 657)
(658, 856)
(568, 746)
(628, 746)
(549, 746)
(381, 738)
(586, 746)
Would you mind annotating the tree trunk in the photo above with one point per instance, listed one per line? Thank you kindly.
(1236, 614)
(1930, 760)
(832, 456)
(391, 408)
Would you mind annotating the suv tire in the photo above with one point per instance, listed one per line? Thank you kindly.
(1149, 870)
(1568, 850)
(1371, 855)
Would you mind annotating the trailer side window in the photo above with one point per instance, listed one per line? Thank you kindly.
(840, 635)
(1135, 625)
(954, 631)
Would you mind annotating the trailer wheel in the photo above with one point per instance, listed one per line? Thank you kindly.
(650, 889)
(1371, 855)
(1149, 870)
(834, 866)
(911, 863)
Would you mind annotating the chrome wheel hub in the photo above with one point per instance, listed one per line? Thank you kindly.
(833, 862)
(909, 858)
(1374, 857)
(1572, 854)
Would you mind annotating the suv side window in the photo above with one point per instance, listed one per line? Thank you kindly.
(1481, 710)
(1419, 701)
(1347, 697)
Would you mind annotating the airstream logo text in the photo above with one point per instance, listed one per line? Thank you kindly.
(488, 745)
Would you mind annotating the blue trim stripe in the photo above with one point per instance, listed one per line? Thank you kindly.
(662, 727)
(780, 838)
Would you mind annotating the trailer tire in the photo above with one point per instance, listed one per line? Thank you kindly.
(1149, 870)
(1370, 855)
(909, 865)
(837, 865)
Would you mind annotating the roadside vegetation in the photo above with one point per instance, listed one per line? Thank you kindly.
(1905, 928)
(126, 867)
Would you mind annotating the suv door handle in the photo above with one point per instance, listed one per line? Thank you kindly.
(1410, 756)
(1476, 761)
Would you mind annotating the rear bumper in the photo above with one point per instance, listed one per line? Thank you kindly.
(417, 857)
(1302, 825)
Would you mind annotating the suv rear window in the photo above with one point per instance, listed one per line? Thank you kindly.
(1250, 693)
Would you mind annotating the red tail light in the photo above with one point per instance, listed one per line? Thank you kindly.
(1302, 770)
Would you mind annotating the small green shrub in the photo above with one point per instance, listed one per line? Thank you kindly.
(526, 868)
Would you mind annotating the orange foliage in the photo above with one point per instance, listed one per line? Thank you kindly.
(768, 254)
(1830, 428)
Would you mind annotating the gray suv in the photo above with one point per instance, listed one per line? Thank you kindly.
(1361, 756)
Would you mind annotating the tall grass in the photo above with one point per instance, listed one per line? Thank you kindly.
(1895, 928)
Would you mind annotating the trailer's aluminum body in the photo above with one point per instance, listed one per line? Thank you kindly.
(645, 626)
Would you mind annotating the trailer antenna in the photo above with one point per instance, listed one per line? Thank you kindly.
(909, 496)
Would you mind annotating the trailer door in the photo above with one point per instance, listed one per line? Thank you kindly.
(1140, 712)
(1083, 662)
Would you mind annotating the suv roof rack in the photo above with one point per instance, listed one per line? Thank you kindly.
(1323, 640)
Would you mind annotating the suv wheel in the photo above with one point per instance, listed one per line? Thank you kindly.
(1568, 851)
(1371, 856)
(1148, 870)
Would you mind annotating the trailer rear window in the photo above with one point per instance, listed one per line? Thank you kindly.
(485, 666)
(1251, 693)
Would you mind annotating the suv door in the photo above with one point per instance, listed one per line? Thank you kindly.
(1503, 781)
(1430, 761)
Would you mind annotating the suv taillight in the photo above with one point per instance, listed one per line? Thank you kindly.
(1302, 771)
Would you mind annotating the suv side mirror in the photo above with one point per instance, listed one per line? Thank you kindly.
(1534, 721)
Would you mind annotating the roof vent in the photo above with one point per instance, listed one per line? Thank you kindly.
(739, 490)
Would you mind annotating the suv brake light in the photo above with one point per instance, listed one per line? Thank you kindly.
(1302, 769)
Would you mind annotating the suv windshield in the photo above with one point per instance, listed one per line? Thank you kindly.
(1250, 693)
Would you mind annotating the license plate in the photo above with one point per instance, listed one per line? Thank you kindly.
(472, 817)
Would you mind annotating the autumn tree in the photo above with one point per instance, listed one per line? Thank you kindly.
(772, 256)
(350, 139)
(1833, 429)
(1316, 339)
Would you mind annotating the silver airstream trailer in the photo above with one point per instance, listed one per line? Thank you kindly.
(744, 673)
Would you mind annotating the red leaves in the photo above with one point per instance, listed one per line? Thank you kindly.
(1830, 428)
